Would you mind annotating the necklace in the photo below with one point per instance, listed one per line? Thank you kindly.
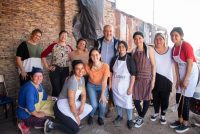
(97, 66)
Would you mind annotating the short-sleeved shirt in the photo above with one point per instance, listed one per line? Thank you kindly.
(30, 55)
(129, 62)
(96, 76)
(71, 84)
(186, 52)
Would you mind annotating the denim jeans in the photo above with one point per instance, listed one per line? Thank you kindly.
(94, 92)
(128, 112)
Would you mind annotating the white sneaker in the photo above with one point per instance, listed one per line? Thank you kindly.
(154, 117)
(163, 120)
(139, 122)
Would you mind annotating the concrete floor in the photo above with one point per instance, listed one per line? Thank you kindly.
(8, 127)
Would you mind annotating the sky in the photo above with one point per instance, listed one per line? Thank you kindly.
(169, 14)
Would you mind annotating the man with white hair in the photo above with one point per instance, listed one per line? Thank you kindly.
(107, 45)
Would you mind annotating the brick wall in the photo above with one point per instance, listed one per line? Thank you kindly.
(19, 18)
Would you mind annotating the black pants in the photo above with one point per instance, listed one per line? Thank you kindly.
(141, 110)
(69, 125)
(160, 99)
(22, 81)
(57, 79)
(184, 106)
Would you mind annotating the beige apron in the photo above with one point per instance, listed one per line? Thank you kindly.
(45, 106)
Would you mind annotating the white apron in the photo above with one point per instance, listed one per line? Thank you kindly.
(182, 65)
(64, 107)
(120, 84)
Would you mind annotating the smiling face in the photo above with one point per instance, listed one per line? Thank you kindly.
(176, 37)
(108, 32)
(159, 41)
(79, 70)
(37, 78)
(81, 45)
(95, 56)
(63, 37)
(121, 49)
(36, 37)
(138, 40)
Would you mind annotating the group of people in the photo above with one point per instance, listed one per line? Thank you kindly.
(109, 75)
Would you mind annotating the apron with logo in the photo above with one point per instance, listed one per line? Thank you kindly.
(182, 65)
(45, 106)
(120, 84)
(64, 107)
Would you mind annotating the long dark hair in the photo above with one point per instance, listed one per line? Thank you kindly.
(90, 62)
(144, 45)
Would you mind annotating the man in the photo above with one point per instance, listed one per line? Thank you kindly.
(107, 45)
(28, 55)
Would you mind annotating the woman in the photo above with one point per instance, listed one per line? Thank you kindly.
(28, 55)
(145, 78)
(59, 67)
(97, 84)
(164, 77)
(187, 76)
(81, 52)
(34, 104)
(123, 70)
(68, 109)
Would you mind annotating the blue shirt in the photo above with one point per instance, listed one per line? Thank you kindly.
(107, 51)
(28, 97)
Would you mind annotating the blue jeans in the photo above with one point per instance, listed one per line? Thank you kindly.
(128, 112)
(94, 92)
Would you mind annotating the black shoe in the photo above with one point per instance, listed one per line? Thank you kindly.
(154, 117)
(181, 128)
(163, 120)
(47, 126)
(130, 124)
(117, 120)
(175, 124)
(100, 121)
(90, 120)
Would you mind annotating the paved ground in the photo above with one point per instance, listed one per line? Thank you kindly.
(8, 127)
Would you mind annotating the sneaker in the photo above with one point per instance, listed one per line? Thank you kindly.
(181, 128)
(154, 117)
(175, 124)
(139, 122)
(117, 120)
(90, 120)
(163, 120)
(137, 118)
(47, 126)
(100, 121)
(130, 124)
(23, 128)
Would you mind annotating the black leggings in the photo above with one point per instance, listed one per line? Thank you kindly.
(160, 99)
(57, 79)
(69, 125)
(141, 111)
(184, 106)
